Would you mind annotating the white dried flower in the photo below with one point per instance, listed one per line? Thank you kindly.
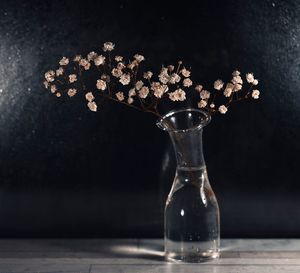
(99, 60)
(148, 75)
(92, 56)
(101, 85)
(72, 92)
(139, 57)
(125, 79)
(139, 85)
(185, 73)
(198, 88)
(249, 77)
(119, 58)
(164, 77)
(255, 82)
(77, 58)
(120, 96)
(218, 84)
(117, 73)
(227, 92)
(92, 106)
(64, 61)
(236, 73)
(255, 94)
(158, 89)
(143, 93)
(173, 96)
(204, 94)
(108, 46)
(223, 109)
(131, 92)
(187, 82)
(58, 94)
(174, 78)
(130, 100)
(212, 105)
(180, 94)
(121, 66)
(72, 78)
(89, 96)
(237, 79)
(59, 71)
(237, 87)
(202, 103)
(85, 64)
(53, 88)
(49, 76)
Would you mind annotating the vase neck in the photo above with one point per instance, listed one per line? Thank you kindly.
(188, 149)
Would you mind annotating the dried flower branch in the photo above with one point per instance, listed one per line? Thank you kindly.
(122, 82)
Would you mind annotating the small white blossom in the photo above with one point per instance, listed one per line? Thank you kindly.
(143, 93)
(148, 75)
(53, 88)
(72, 92)
(223, 109)
(237, 79)
(116, 72)
(133, 64)
(204, 94)
(119, 58)
(255, 82)
(64, 61)
(92, 106)
(139, 85)
(187, 82)
(130, 100)
(58, 94)
(164, 77)
(92, 56)
(185, 73)
(212, 105)
(59, 71)
(218, 84)
(121, 66)
(177, 95)
(89, 96)
(202, 103)
(85, 64)
(227, 92)
(139, 57)
(125, 79)
(108, 46)
(236, 73)
(131, 92)
(159, 89)
(237, 87)
(46, 84)
(174, 78)
(101, 85)
(99, 60)
(72, 78)
(255, 94)
(249, 77)
(198, 88)
(49, 76)
(120, 96)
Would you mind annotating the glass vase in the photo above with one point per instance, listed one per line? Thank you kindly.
(192, 219)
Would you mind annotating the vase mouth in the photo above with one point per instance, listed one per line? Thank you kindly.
(183, 120)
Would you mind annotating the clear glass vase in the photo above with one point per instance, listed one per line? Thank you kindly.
(192, 219)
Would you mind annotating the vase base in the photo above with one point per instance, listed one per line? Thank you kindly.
(200, 257)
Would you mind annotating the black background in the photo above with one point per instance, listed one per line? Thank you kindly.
(68, 172)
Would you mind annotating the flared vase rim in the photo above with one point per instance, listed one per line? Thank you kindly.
(203, 123)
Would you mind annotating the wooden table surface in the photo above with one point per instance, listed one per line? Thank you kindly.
(143, 255)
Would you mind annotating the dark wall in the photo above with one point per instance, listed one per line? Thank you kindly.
(65, 171)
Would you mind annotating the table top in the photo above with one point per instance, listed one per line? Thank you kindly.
(143, 255)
